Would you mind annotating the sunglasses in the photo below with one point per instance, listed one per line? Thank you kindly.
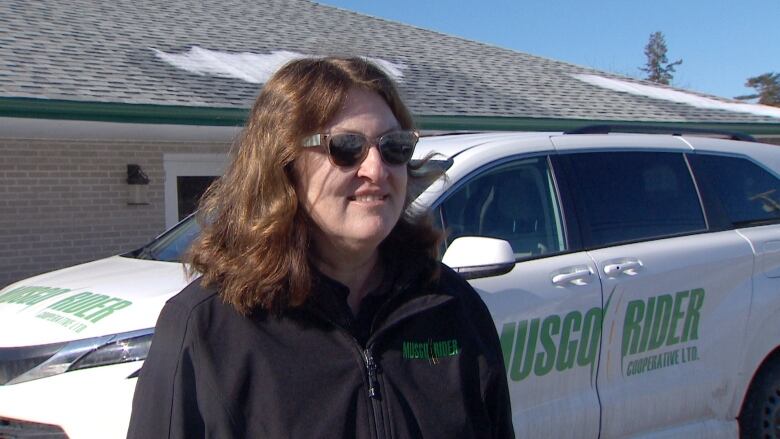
(350, 149)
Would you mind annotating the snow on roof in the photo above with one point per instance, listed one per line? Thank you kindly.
(254, 68)
(677, 96)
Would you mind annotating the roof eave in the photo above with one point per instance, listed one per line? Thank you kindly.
(216, 116)
(120, 112)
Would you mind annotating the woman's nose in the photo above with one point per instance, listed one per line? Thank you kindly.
(372, 167)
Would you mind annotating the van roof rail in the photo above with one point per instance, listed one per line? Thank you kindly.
(657, 129)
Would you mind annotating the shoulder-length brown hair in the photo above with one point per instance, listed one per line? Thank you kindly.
(254, 244)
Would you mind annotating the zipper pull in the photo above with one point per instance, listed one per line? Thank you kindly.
(373, 385)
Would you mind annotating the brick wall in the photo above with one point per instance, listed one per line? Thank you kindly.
(63, 202)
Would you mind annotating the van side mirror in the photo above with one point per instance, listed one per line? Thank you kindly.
(477, 256)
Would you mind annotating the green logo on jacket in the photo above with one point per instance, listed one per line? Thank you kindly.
(430, 350)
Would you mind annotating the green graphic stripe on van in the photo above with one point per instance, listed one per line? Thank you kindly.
(74, 312)
(563, 342)
(31, 295)
(603, 314)
(661, 321)
(554, 342)
(89, 306)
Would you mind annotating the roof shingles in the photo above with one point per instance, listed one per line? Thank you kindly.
(102, 52)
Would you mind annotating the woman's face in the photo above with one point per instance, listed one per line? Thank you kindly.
(354, 208)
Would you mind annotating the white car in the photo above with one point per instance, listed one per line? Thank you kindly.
(634, 280)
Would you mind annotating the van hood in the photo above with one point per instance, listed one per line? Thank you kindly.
(107, 296)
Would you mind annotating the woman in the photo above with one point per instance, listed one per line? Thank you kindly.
(321, 310)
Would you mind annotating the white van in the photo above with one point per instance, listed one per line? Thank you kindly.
(634, 280)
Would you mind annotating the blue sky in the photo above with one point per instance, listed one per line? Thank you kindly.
(721, 42)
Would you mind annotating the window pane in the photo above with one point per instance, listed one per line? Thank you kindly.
(190, 190)
(629, 196)
(515, 202)
(748, 192)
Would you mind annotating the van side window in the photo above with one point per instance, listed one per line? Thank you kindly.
(516, 202)
(748, 193)
(633, 196)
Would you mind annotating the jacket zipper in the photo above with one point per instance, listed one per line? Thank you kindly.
(373, 385)
(373, 392)
(373, 382)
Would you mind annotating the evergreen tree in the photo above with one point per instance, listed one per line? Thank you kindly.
(767, 89)
(658, 67)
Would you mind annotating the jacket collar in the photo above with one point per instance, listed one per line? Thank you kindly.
(410, 293)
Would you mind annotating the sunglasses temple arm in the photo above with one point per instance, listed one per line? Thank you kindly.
(311, 141)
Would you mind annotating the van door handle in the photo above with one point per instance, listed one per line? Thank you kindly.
(628, 266)
(580, 276)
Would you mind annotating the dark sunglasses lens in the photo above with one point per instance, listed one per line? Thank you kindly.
(397, 148)
(346, 149)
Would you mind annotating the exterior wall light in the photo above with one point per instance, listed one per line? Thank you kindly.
(137, 186)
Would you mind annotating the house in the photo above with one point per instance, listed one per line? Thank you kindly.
(115, 115)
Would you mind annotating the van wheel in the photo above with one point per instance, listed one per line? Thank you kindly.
(760, 414)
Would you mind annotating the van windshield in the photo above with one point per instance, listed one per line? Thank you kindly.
(171, 245)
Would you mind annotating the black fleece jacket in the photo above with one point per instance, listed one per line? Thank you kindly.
(430, 367)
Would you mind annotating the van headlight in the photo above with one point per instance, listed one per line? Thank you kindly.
(20, 364)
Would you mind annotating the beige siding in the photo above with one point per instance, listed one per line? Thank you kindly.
(63, 202)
